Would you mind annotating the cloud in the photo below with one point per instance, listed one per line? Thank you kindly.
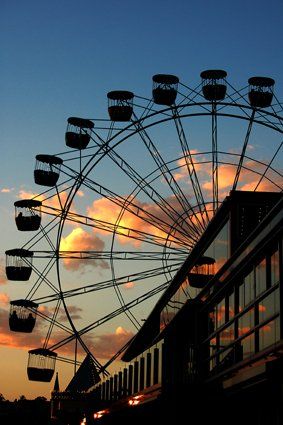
(183, 172)
(106, 345)
(6, 190)
(72, 310)
(132, 227)
(51, 202)
(82, 241)
(102, 346)
(3, 277)
(4, 299)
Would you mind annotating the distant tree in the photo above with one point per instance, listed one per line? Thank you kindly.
(22, 397)
(40, 398)
(2, 398)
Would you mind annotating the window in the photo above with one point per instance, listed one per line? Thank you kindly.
(260, 277)
(275, 268)
(246, 322)
(231, 307)
(226, 336)
(248, 345)
(221, 313)
(219, 249)
(269, 306)
(246, 292)
(212, 320)
(269, 334)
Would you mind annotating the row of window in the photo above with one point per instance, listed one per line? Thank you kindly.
(246, 320)
(261, 278)
(142, 373)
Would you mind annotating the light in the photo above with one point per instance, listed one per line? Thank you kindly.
(134, 401)
(99, 414)
(83, 422)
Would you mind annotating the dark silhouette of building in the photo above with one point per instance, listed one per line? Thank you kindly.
(211, 349)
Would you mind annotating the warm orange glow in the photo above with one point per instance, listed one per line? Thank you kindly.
(52, 202)
(106, 211)
(3, 277)
(134, 401)
(129, 285)
(99, 414)
(182, 173)
(261, 308)
(4, 299)
(244, 330)
(80, 240)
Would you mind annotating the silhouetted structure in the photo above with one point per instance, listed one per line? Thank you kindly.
(220, 350)
(27, 214)
(22, 315)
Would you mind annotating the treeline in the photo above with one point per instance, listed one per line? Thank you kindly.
(24, 411)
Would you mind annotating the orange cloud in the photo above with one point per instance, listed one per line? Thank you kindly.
(183, 173)
(4, 299)
(80, 240)
(133, 229)
(52, 202)
(6, 190)
(3, 277)
(106, 345)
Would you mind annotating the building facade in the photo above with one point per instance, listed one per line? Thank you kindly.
(211, 349)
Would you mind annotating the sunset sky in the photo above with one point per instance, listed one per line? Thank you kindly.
(59, 59)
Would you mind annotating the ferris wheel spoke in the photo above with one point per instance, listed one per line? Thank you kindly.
(145, 186)
(124, 255)
(128, 204)
(247, 137)
(187, 155)
(112, 315)
(42, 277)
(179, 242)
(52, 322)
(123, 280)
(45, 230)
(268, 166)
(165, 172)
(214, 144)
(58, 324)
(191, 95)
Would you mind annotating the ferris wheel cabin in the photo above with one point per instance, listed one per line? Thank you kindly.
(22, 315)
(41, 365)
(28, 214)
(202, 272)
(78, 133)
(120, 105)
(18, 264)
(214, 84)
(260, 91)
(164, 90)
(47, 170)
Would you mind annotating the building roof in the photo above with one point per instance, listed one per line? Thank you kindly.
(85, 377)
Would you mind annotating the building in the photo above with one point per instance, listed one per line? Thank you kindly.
(212, 346)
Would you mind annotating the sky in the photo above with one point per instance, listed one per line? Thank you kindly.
(60, 59)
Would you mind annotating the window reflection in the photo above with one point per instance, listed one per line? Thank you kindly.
(260, 277)
(219, 249)
(275, 268)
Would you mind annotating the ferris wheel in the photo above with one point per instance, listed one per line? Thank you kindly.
(126, 199)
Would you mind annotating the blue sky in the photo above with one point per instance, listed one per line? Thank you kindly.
(60, 58)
